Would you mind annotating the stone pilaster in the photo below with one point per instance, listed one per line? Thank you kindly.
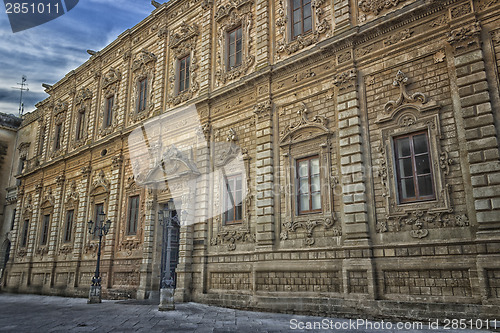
(81, 215)
(114, 203)
(58, 218)
(206, 47)
(262, 33)
(264, 174)
(351, 159)
(478, 122)
(145, 280)
(342, 14)
(184, 267)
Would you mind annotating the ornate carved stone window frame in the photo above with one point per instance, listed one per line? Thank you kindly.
(412, 113)
(230, 158)
(303, 139)
(127, 242)
(83, 104)
(320, 26)
(228, 17)
(110, 88)
(143, 67)
(46, 208)
(71, 203)
(183, 43)
(59, 115)
(99, 194)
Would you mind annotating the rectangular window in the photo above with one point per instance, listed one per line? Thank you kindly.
(143, 90)
(80, 124)
(26, 228)
(69, 225)
(108, 112)
(301, 17)
(57, 137)
(309, 189)
(184, 73)
(99, 208)
(234, 48)
(413, 168)
(45, 230)
(133, 215)
(233, 197)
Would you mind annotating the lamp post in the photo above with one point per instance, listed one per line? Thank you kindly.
(100, 229)
(167, 280)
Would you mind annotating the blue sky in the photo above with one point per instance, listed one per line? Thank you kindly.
(47, 52)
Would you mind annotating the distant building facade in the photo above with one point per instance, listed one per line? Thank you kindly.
(368, 131)
(8, 128)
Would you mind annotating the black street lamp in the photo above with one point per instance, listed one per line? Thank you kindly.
(100, 229)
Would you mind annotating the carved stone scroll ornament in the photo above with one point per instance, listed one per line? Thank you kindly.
(418, 223)
(416, 101)
(263, 110)
(345, 80)
(376, 6)
(309, 225)
(317, 121)
(231, 237)
(465, 37)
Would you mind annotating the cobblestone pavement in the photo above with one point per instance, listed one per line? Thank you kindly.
(34, 313)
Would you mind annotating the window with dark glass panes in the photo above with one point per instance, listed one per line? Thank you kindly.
(80, 124)
(301, 17)
(108, 114)
(57, 137)
(234, 47)
(45, 230)
(233, 197)
(184, 73)
(309, 189)
(26, 226)
(69, 225)
(143, 89)
(133, 215)
(413, 168)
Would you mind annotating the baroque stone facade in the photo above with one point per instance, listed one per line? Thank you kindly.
(369, 149)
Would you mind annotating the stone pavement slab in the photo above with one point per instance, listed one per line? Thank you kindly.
(35, 313)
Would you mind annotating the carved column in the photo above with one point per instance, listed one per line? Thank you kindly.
(264, 174)
(477, 119)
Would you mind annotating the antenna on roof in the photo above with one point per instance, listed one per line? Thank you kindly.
(23, 84)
